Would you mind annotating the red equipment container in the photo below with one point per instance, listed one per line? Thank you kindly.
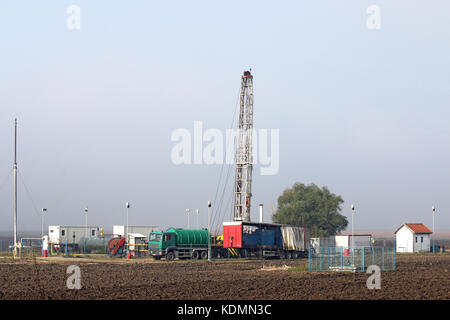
(232, 235)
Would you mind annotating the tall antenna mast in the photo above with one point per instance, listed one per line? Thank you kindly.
(15, 187)
(244, 159)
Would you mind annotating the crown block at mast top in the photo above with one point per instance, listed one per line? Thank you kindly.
(247, 74)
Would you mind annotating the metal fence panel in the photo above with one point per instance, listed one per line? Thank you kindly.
(352, 259)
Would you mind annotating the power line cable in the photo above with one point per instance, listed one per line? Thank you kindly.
(6, 179)
(214, 212)
(28, 192)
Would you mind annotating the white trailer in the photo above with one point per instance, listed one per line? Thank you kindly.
(71, 235)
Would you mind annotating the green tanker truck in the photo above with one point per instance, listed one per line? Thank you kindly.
(179, 243)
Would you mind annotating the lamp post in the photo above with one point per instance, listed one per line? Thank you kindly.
(127, 205)
(209, 232)
(197, 211)
(42, 227)
(187, 211)
(433, 209)
(86, 220)
(353, 233)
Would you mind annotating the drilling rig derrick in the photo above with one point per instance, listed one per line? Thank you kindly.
(244, 158)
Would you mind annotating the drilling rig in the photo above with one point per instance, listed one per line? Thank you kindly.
(244, 157)
(242, 237)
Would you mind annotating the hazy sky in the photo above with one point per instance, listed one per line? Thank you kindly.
(364, 112)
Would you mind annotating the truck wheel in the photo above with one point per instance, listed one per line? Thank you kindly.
(204, 255)
(170, 256)
(195, 255)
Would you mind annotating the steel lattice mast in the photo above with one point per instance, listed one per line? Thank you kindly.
(244, 158)
(15, 188)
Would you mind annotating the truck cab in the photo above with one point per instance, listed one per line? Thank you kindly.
(160, 242)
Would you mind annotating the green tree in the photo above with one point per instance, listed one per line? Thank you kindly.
(311, 207)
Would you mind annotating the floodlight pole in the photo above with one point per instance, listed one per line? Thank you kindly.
(353, 232)
(127, 205)
(42, 227)
(209, 232)
(433, 209)
(86, 221)
(187, 211)
(197, 211)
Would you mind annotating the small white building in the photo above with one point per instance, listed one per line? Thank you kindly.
(344, 241)
(413, 237)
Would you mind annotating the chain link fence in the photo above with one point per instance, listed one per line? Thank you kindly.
(353, 259)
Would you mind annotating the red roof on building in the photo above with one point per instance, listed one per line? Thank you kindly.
(415, 227)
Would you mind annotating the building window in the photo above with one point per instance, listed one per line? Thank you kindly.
(63, 233)
(416, 239)
(421, 239)
(93, 233)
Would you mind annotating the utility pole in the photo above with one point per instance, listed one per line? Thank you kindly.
(244, 158)
(209, 230)
(15, 187)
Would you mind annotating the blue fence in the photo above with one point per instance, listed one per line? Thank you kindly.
(352, 259)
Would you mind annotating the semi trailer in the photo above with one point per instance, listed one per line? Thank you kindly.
(264, 240)
(239, 240)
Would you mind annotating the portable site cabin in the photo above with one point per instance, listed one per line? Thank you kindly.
(413, 237)
(71, 234)
(357, 240)
(120, 230)
(344, 241)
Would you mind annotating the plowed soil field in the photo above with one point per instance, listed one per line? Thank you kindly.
(416, 277)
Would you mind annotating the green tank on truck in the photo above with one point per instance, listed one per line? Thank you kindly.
(179, 243)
